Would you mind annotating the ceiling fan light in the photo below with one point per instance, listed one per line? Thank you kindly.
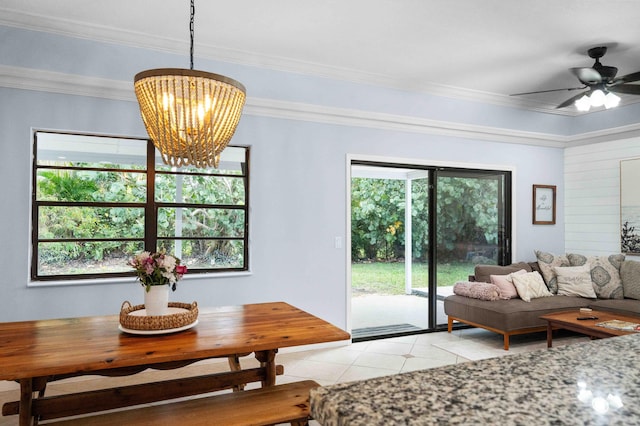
(597, 98)
(583, 104)
(611, 100)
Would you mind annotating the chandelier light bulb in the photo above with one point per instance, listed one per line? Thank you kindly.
(597, 98)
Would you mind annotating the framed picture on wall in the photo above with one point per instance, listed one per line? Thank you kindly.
(544, 204)
(630, 206)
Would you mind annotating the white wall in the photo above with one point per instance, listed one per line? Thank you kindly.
(592, 195)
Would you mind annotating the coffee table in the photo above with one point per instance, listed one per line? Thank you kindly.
(568, 320)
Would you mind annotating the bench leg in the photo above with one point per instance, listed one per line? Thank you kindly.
(449, 324)
(506, 342)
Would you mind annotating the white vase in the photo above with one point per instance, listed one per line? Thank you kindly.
(156, 300)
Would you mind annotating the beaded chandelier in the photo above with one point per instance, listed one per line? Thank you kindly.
(190, 115)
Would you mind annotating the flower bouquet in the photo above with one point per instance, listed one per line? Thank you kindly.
(157, 269)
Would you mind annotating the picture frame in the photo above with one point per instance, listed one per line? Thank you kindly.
(630, 206)
(544, 204)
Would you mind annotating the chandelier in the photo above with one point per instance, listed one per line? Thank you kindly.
(189, 115)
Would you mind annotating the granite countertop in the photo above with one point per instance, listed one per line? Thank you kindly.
(590, 383)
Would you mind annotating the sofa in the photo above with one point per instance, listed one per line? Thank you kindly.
(570, 281)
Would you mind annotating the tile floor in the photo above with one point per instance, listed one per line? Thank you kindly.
(339, 364)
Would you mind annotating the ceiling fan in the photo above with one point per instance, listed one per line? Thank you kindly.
(600, 81)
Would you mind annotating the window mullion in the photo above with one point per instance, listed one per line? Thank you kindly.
(151, 209)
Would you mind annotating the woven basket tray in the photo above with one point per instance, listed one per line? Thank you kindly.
(164, 322)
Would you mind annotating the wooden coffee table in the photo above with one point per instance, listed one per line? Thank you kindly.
(569, 321)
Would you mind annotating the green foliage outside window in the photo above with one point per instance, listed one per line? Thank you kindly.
(467, 216)
(92, 215)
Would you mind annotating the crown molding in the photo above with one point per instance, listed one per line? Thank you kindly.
(82, 30)
(85, 31)
(606, 135)
(383, 121)
(70, 84)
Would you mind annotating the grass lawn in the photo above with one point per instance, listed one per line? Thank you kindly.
(388, 278)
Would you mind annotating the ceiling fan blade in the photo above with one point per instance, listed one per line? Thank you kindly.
(628, 78)
(550, 90)
(630, 89)
(587, 76)
(572, 99)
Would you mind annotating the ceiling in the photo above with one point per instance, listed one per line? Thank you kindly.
(476, 49)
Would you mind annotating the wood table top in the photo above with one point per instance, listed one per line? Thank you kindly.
(83, 345)
(571, 318)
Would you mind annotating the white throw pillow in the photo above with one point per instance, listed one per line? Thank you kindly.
(575, 281)
(530, 286)
(505, 284)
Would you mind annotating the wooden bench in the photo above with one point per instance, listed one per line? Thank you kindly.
(264, 406)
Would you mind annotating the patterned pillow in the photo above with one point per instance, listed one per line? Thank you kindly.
(505, 284)
(546, 262)
(630, 275)
(575, 281)
(605, 273)
(530, 286)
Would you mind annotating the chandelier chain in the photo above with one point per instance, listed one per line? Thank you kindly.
(191, 29)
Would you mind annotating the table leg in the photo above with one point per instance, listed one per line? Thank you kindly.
(234, 365)
(26, 400)
(268, 362)
(549, 334)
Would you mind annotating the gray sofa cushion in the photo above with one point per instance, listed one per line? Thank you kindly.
(630, 275)
(512, 314)
(483, 273)
(620, 306)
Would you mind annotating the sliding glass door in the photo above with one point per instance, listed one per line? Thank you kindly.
(415, 231)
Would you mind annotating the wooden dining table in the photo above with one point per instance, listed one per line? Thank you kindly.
(35, 353)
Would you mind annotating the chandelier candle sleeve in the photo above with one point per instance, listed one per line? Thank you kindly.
(190, 115)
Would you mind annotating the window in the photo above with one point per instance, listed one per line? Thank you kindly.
(99, 200)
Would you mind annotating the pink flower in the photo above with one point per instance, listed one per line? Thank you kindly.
(157, 269)
(149, 268)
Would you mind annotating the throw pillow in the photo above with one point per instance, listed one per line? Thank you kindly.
(546, 262)
(483, 273)
(630, 275)
(575, 281)
(530, 286)
(605, 273)
(505, 284)
(475, 290)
